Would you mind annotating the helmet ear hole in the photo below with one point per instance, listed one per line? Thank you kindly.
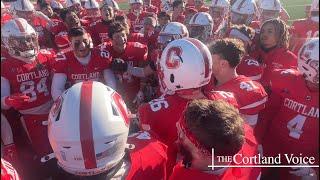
(171, 78)
(114, 111)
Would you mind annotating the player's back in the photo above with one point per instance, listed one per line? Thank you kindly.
(148, 157)
(161, 116)
(295, 126)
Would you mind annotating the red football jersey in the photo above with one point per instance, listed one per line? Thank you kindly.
(251, 68)
(40, 26)
(278, 58)
(156, 3)
(294, 122)
(249, 149)
(32, 79)
(68, 64)
(134, 53)
(99, 32)
(148, 158)
(250, 95)
(5, 18)
(151, 9)
(91, 19)
(136, 22)
(161, 115)
(57, 26)
(179, 18)
(302, 30)
(7, 171)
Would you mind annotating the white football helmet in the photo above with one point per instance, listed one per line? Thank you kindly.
(91, 4)
(135, 1)
(219, 10)
(70, 3)
(242, 11)
(185, 64)
(315, 11)
(172, 31)
(2, 5)
(308, 60)
(269, 9)
(22, 5)
(88, 128)
(112, 3)
(56, 5)
(20, 39)
(314, 6)
(200, 26)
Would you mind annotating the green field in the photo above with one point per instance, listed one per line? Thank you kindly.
(295, 8)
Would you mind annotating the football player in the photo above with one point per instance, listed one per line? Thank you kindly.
(26, 80)
(219, 11)
(248, 65)
(273, 52)
(243, 12)
(250, 95)
(92, 11)
(304, 29)
(200, 6)
(178, 8)
(149, 7)
(82, 63)
(180, 57)
(88, 131)
(134, 53)
(202, 127)
(99, 29)
(291, 121)
(136, 15)
(39, 21)
(200, 27)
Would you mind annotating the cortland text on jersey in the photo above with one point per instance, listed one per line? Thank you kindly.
(94, 76)
(32, 75)
(301, 108)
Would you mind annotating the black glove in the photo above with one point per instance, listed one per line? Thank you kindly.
(119, 65)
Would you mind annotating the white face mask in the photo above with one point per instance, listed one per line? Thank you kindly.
(28, 53)
(315, 18)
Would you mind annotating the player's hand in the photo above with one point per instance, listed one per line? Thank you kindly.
(16, 100)
(10, 153)
(119, 65)
(302, 171)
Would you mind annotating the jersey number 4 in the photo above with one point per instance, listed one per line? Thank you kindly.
(295, 126)
(29, 88)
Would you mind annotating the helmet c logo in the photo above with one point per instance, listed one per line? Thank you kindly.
(173, 57)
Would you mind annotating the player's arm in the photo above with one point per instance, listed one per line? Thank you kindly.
(58, 84)
(109, 78)
(5, 92)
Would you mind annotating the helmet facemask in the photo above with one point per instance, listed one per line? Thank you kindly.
(23, 47)
(237, 18)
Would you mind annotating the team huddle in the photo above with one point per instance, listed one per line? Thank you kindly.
(92, 91)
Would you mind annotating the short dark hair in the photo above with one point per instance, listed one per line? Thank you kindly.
(44, 5)
(116, 27)
(229, 49)
(77, 31)
(176, 3)
(164, 14)
(63, 13)
(216, 124)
